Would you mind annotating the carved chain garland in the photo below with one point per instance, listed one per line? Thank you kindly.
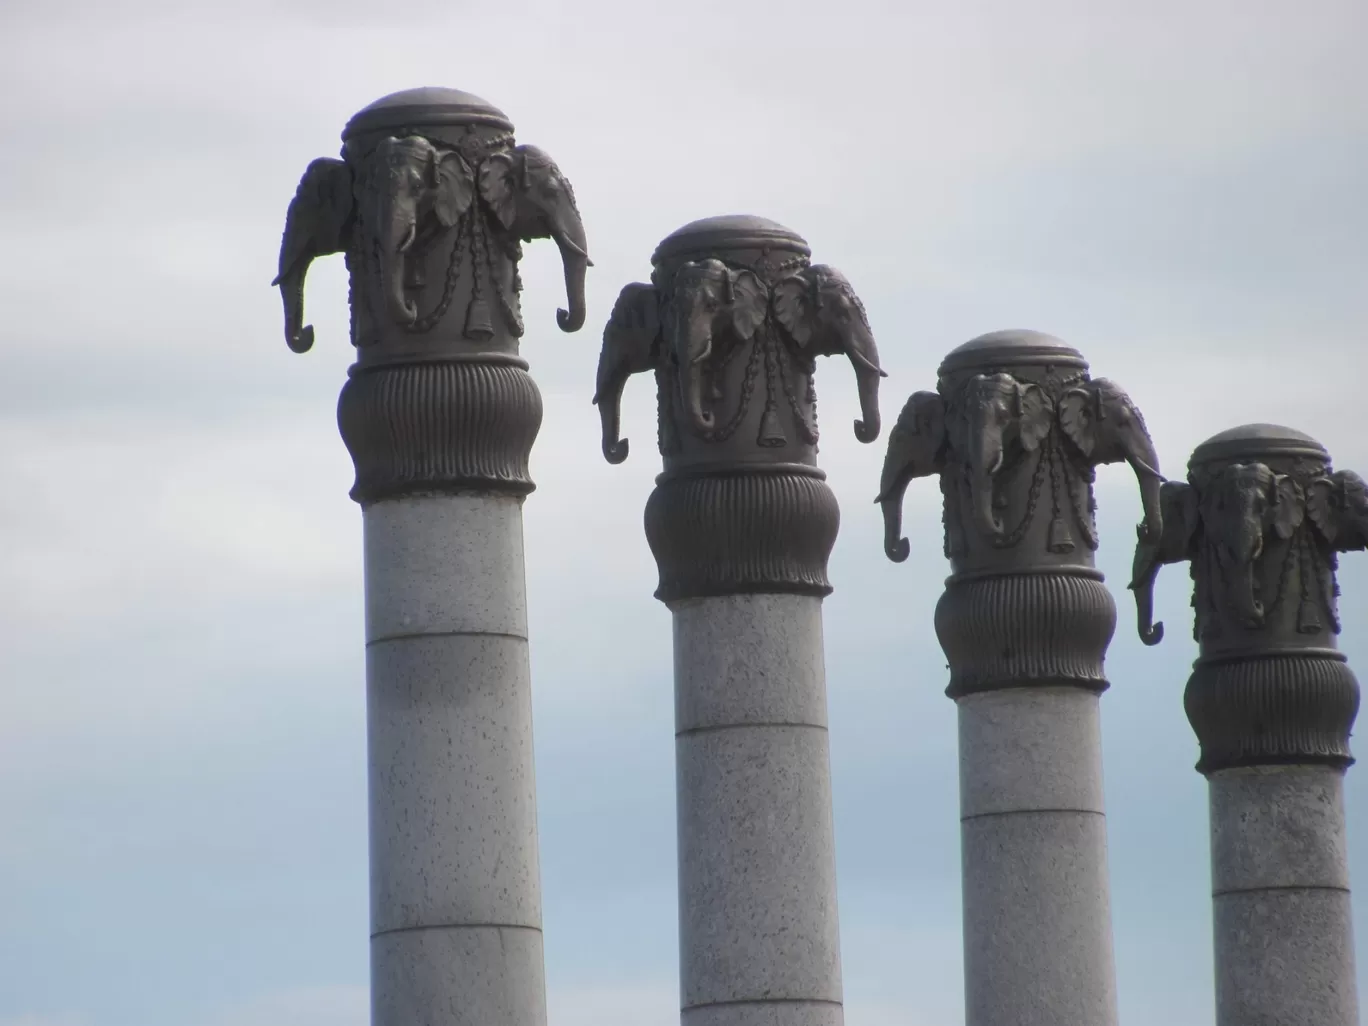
(1059, 426)
(474, 225)
(1065, 469)
(767, 345)
(690, 324)
(1314, 521)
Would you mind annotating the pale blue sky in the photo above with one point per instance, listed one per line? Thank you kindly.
(1177, 188)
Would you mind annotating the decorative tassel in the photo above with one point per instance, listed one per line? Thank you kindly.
(1061, 539)
(478, 324)
(1308, 617)
(771, 434)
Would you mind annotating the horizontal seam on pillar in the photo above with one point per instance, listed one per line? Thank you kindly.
(1280, 887)
(762, 1001)
(455, 926)
(1029, 812)
(444, 634)
(740, 726)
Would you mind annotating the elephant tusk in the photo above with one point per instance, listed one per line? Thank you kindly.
(408, 238)
(566, 243)
(1141, 465)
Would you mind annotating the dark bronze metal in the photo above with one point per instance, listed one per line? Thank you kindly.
(1014, 431)
(1260, 520)
(431, 203)
(731, 324)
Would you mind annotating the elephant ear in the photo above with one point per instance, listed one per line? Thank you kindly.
(1338, 506)
(1323, 507)
(1288, 509)
(629, 347)
(1353, 493)
(319, 218)
(498, 186)
(455, 185)
(319, 221)
(1078, 418)
(916, 445)
(793, 307)
(1037, 415)
(749, 303)
(631, 335)
(1178, 508)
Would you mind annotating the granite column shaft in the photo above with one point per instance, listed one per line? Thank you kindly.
(758, 936)
(454, 873)
(1281, 907)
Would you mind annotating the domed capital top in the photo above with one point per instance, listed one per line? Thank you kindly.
(1012, 348)
(713, 236)
(1254, 443)
(425, 107)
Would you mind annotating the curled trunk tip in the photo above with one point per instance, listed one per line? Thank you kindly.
(867, 430)
(301, 342)
(896, 545)
(575, 261)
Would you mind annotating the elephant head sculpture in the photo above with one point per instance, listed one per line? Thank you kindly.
(532, 199)
(1004, 418)
(823, 316)
(1102, 422)
(319, 221)
(1238, 507)
(1338, 506)
(711, 304)
(630, 342)
(1174, 543)
(916, 448)
(419, 192)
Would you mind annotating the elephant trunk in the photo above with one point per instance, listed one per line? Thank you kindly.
(1143, 573)
(985, 461)
(896, 546)
(864, 357)
(702, 419)
(694, 334)
(399, 222)
(1144, 461)
(1241, 584)
(893, 484)
(868, 426)
(569, 237)
(608, 398)
(298, 335)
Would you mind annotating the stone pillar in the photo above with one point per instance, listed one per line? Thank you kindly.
(741, 523)
(1014, 432)
(1272, 701)
(429, 202)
